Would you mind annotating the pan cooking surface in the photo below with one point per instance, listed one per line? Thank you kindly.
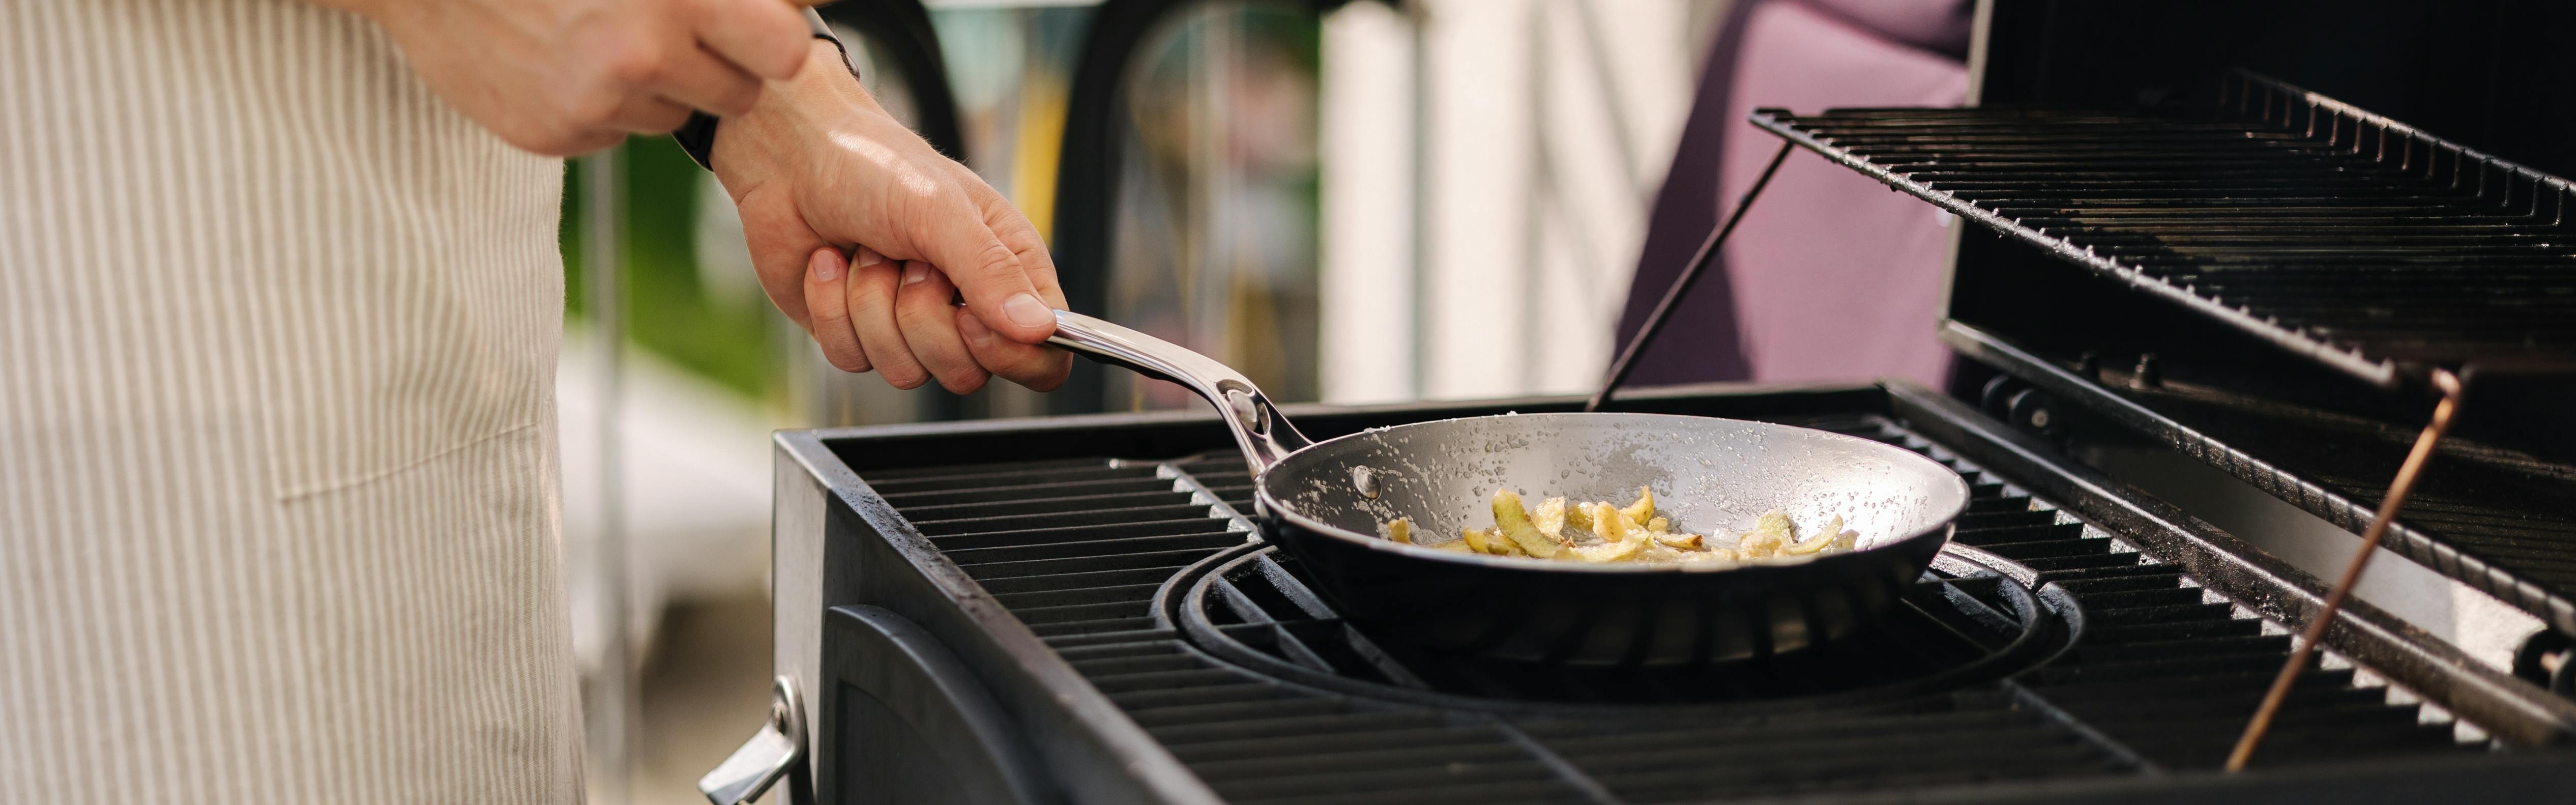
(1711, 476)
(1322, 504)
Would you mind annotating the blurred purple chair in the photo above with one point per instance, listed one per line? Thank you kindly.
(1831, 275)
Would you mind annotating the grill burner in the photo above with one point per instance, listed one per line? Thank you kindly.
(1250, 608)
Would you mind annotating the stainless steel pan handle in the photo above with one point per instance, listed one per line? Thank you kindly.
(1266, 436)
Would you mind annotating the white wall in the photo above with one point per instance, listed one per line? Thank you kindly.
(1546, 126)
(1365, 134)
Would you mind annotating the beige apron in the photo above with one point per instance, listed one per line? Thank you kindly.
(277, 477)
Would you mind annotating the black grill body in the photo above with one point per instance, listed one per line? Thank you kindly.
(2260, 235)
(2324, 233)
(1094, 621)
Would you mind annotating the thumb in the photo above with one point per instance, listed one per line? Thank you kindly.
(988, 274)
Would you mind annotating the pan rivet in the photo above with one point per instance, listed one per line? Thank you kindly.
(1365, 480)
(1248, 411)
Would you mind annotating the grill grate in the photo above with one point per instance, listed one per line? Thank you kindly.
(2339, 234)
(1080, 550)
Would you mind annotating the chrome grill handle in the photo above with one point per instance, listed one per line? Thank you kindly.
(770, 755)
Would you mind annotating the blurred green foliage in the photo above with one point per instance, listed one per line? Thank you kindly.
(668, 310)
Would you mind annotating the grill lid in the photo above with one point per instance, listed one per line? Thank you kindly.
(2338, 234)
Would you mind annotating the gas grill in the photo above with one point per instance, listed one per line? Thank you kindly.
(1096, 621)
(2167, 254)
(2333, 235)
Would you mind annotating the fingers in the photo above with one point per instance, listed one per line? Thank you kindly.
(701, 80)
(648, 115)
(828, 308)
(929, 325)
(872, 284)
(986, 271)
(765, 37)
(960, 355)
(651, 69)
(1015, 232)
(1041, 368)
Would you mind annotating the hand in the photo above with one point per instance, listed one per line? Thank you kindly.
(562, 77)
(863, 234)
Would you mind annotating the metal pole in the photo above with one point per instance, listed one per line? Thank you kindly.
(610, 707)
(2398, 488)
(1682, 284)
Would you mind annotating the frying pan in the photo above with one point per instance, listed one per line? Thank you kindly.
(1322, 503)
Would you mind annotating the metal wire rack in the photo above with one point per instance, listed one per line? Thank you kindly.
(2336, 233)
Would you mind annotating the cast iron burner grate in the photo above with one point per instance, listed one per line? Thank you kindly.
(1966, 621)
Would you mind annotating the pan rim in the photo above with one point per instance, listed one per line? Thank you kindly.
(1270, 506)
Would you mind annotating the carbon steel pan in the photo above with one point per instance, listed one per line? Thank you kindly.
(1323, 503)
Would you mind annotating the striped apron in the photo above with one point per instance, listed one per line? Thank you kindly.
(278, 505)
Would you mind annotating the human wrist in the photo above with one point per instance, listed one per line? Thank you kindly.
(824, 86)
(823, 98)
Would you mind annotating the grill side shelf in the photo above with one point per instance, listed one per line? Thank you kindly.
(2340, 236)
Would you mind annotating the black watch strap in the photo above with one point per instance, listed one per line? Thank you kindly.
(698, 136)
